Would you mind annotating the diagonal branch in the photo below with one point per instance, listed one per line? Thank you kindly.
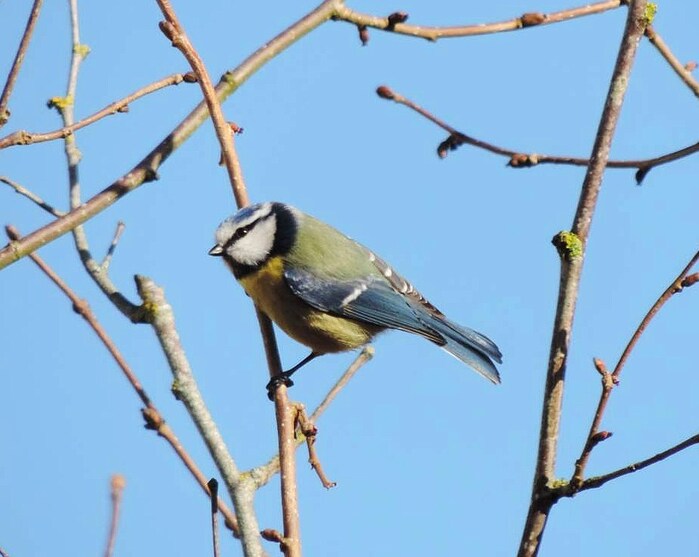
(680, 69)
(17, 64)
(571, 248)
(23, 137)
(31, 196)
(598, 481)
(151, 414)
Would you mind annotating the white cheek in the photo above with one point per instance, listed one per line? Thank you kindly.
(254, 248)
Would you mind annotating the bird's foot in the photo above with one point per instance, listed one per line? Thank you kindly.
(284, 378)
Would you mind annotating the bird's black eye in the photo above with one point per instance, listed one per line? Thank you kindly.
(240, 233)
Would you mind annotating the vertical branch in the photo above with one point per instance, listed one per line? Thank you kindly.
(117, 486)
(17, 63)
(173, 30)
(286, 426)
(571, 247)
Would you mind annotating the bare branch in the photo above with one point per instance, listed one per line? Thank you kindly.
(571, 248)
(112, 247)
(598, 481)
(240, 487)
(174, 31)
(31, 196)
(518, 159)
(97, 272)
(675, 287)
(151, 414)
(23, 137)
(117, 485)
(262, 474)
(609, 380)
(680, 69)
(393, 25)
(310, 431)
(286, 428)
(17, 64)
(146, 170)
(364, 356)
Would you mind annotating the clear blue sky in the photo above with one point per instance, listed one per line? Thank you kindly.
(430, 459)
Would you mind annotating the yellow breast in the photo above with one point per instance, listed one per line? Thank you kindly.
(320, 331)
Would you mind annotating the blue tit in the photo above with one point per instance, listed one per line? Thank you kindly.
(331, 293)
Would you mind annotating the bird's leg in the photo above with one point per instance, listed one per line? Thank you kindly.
(284, 378)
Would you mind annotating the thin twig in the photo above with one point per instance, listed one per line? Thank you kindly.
(518, 159)
(31, 196)
(112, 247)
(675, 287)
(310, 431)
(262, 474)
(598, 481)
(174, 31)
(609, 380)
(4, 553)
(151, 414)
(213, 490)
(117, 485)
(364, 356)
(23, 137)
(683, 73)
(571, 248)
(65, 107)
(17, 64)
(434, 33)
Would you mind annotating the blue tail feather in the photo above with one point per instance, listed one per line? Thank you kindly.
(469, 346)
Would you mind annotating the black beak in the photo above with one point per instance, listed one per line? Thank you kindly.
(216, 250)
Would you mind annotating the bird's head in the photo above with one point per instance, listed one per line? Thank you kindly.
(249, 238)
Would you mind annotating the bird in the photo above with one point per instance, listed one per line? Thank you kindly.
(329, 292)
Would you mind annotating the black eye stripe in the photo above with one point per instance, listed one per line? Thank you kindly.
(240, 233)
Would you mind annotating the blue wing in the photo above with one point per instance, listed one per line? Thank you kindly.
(373, 300)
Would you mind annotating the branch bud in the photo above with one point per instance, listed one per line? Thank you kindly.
(690, 280)
(600, 366)
(532, 18)
(190, 77)
(396, 18)
(385, 92)
(363, 34)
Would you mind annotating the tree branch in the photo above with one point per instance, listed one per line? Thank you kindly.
(31, 196)
(240, 486)
(23, 137)
(518, 159)
(146, 170)
(17, 63)
(571, 249)
(598, 481)
(610, 380)
(117, 485)
(151, 414)
(434, 33)
(680, 69)
(262, 474)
